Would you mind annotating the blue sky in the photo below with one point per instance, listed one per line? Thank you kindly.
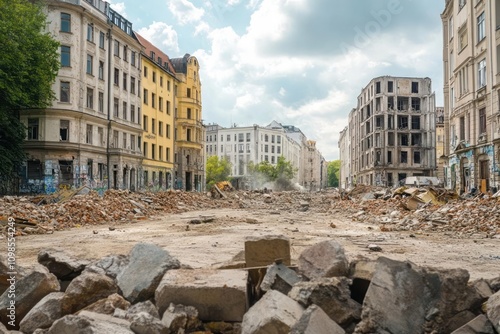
(299, 62)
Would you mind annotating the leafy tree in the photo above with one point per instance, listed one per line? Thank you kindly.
(333, 173)
(29, 62)
(217, 170)
(282, 173)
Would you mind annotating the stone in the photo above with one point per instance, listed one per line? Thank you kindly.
(147, 265)
(29, 290)
(494, 284)
(479, 325)
(315, 321)
(492, 307)
(279, 277)
(43, 314)
(5, 269)
(108, 305)
(263, 251)
(145, 323)
(324, 259)
(90, 323)
(87, 289)
(147, 307)
(61, 264)
(483, 289)
(273, 313)
(332, 295)
(112, 264)
(218, 295)
(179, 318)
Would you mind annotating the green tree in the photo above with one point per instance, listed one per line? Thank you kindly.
(29, 62)
(217, 170)
(333, 173)
(282, 173)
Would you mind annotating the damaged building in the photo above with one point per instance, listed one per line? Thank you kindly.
(391, 133)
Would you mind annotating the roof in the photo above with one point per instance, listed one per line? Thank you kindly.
(180, 64)
(158, 54)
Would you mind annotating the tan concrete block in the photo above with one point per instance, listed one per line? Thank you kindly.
(263, 251)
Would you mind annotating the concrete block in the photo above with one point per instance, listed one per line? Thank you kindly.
(263, 251)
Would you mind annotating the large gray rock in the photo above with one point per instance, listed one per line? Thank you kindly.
(325, 259)
(493, 310)
(315, 321)
(43, 314)
(332, 295)
(279, 277)
(147, 265)
(479, 325)
(274, 313)
(108, 305)
(61, 264)
(112, 264)
(90, 323)
(6, 269)
(86, 289)
(29, 290)
(404, 298)
(145, 323)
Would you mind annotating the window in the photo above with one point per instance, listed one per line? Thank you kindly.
(101, 40)
(161, 80)
(390, 86)
(132, 85)
(132, 142)
(414, 87)
(65, 92)
(228, 138)
(188, 92)
(132, 113)
(160, 153)
(90, 61)
(145, 122)
(63, 130)
(153, 125)
(117, 76)
(189, 113)
(403, 103)
(160, 128)
(168, 131)
(124, 81)
(461, 4)
(480, 27)
(90, 98)
(188, 135)
(101, 102)
(116, 49)
(116, 107)
(124, 110)
(160, 103)
(90, 32)
(65, 56)
(125, 53)
(389, 157)
(377, 87)
(154, 76)
(168, 154)
(115, 139)
(145, 71)
(404, 157)
(124, 140)
(153, 100)
(415, 122)
(450, 28)
(482, 120)
(33, 124)
(88, 138)
(100, 135)
(168, 85)
(132, 58)
(145, 96)
(416, 157)
(101, 70)
(248, 136)
(168, 107)
(65, 22)
(481, 73)
(462, 42)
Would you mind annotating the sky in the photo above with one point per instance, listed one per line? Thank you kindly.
(298, 62)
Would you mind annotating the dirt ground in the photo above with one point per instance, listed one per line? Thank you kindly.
(214, 243)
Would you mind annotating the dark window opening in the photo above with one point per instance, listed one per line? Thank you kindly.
(416, 157)
(414, 87)
(403, 103)
(404, 157)
(415, 122)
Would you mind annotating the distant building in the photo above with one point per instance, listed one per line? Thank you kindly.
(345, 178)
(440, 144)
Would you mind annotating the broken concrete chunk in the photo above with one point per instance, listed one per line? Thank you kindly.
(90, 323)
(324, 259)
(146, 306)
(218, 295)
(479, 325)
(108, 305)
(112, 264)
(493, 310)
(263, 251)
(273, 313)
(145, 323)
(179, 318)
(279, 277)
(43, 314)
(315, 321)
(61, 264)
(147, 265)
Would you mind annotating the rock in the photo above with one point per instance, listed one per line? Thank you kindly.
(178, 318)
(480, 325)
(273, 313)
(279, 277)
(315, 321)
(87, 289)
(325, 259)
(62, 265)
(145, 323)
(112, 264)
(492, 307)
(263, 251)
(147, 307)
(374, 248)
(43, 314)
(108, 305)
(90, 323)
(147, 265)
(218, 295)
(494, 284)
(29, 290)
(332, 295)
(5, 269)
(483, 289)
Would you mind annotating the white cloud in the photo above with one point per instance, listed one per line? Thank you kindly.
(185, 12)
(282, 91)
(162, 36)
(119, 7)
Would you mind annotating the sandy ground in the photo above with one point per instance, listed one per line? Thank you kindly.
(217, 242)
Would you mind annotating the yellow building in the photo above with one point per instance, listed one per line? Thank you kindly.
(189, 131)
(158, 107)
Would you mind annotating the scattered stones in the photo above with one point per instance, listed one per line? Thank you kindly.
(43, 314)
(179, 318)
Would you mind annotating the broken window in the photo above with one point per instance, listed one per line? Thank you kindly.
(390, 86)
(390, 122)
(377, 104)
(368, 111)
(416, 157)
(367, 127)
(415, 103)
(403, 122)
(415, 122)
(404, 157)
(403, 103)
(389, 157)
(414, 87)
(377, 87)
(390, 102)
(416, 139)
(379, 122)
(390, 138)
(462, 128)
(378, 158)
(403, 140)
(482, 120)
(377, 140)
(64, 130)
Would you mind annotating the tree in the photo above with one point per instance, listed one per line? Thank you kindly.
(29, 62)
(217, 170)
(333, 173)
(282, 173)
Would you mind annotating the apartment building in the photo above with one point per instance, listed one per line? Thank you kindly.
(158, 105)
(471, 58)
(391, 132)
(91, 135)
(345, 178)
(440, 140)
(189, 129)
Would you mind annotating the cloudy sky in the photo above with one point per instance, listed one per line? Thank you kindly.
(299, 62)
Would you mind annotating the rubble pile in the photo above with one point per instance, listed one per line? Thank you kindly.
(150, 291)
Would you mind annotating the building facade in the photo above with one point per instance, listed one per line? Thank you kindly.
(391, 132)
(440, 140)
(471, 59)
(345, 178)
(158, 105)
(91, 134)
(189, 129)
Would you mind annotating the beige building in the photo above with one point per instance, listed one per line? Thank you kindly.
(440, 140)
(471, 59)
(91, 134)
(345, 178)
(391, 133)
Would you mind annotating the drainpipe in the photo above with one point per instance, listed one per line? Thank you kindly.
(110, 92)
